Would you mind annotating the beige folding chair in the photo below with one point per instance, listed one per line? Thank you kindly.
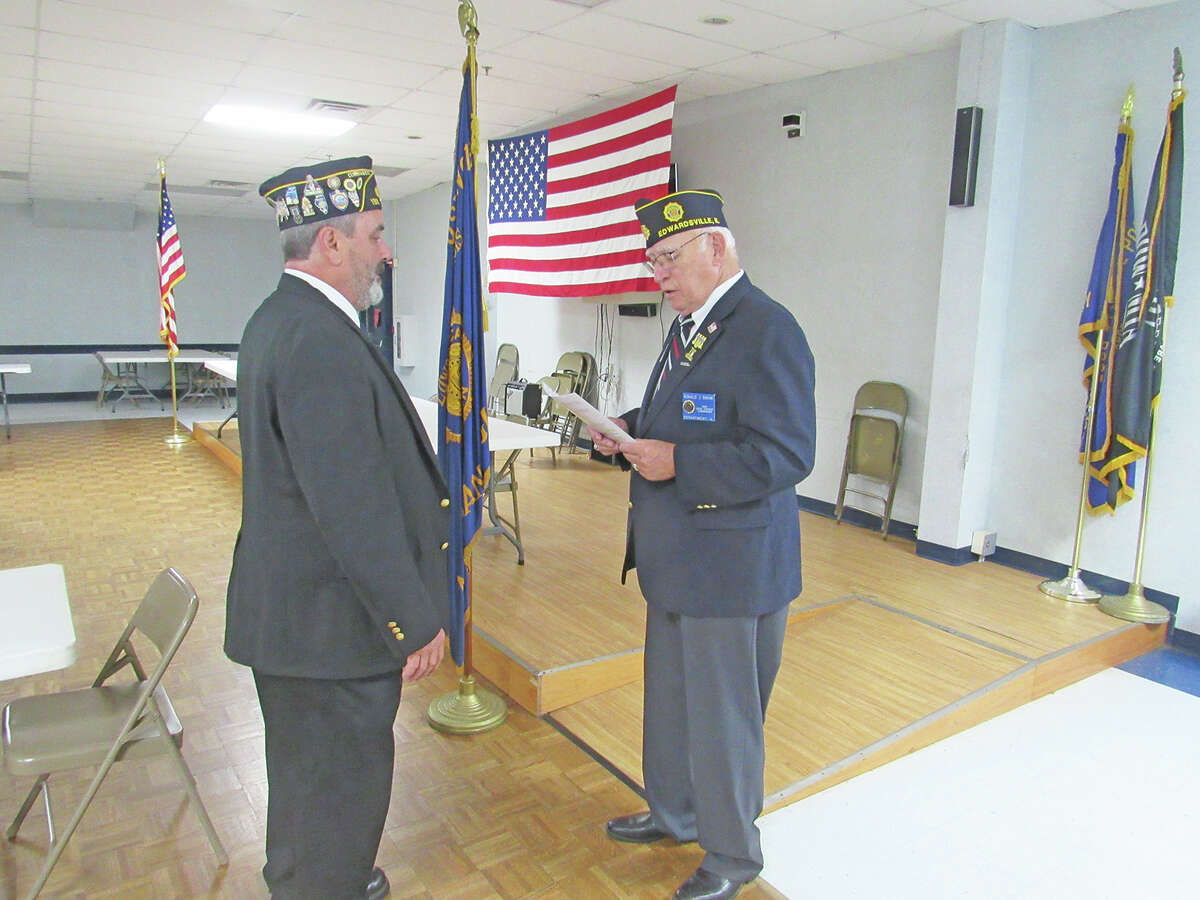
(873, 447)
(507, 365)
(99, 725)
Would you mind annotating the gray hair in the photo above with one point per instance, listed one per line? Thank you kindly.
(730, 243)
(297, 242)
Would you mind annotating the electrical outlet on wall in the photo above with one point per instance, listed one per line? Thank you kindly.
(983, 543)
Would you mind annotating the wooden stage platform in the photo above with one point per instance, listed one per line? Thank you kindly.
(886, 652)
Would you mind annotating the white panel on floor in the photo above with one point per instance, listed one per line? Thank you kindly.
(1085, 793)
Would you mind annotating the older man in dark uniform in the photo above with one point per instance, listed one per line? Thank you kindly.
(723, 434)
(338, 592)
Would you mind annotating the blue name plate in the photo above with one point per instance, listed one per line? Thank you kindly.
(699, 407)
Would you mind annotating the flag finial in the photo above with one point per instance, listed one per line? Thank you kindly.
(1178, 65)
(1127, 107)
(468, 21)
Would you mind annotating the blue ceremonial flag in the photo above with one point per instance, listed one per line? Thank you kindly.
(462, 383)
(1137, 375)
(1110, 281)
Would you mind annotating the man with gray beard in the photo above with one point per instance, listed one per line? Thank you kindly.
(338, 592)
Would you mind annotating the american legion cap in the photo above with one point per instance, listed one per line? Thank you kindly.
(681, 211)
(314, 193)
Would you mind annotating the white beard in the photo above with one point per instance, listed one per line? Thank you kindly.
(375, 292)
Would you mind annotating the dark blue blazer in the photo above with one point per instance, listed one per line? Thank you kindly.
(723, 537)
(339, 569)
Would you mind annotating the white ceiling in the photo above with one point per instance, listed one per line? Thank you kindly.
(93, 92)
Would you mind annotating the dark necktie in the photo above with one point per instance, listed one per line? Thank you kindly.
(680, 332)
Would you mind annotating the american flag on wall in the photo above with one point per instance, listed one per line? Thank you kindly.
(560, 202)
(171, 269)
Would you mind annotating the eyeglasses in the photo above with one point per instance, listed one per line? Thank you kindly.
(668, 257)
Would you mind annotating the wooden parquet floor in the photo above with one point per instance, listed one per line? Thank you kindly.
(515, 813)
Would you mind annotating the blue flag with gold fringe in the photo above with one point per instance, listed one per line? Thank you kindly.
(1110, 281)
(462, 382)
(1137, 375)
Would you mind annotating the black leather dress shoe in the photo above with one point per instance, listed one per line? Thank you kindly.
(703, 885)
(638, 828)
(378, 887)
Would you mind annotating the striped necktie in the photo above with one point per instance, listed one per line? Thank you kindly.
(680, 332)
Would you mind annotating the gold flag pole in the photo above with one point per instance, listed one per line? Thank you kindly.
(1071, 586)
(1133, 605)
(468, 710)
(174, 439)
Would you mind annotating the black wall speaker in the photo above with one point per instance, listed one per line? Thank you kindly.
(967, 124)
(641, 310)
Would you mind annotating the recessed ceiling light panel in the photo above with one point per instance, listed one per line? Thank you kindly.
(273, 121)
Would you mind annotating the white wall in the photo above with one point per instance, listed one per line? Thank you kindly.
(843, 226)
(93, 286)
(1079, 78)
(416, 232)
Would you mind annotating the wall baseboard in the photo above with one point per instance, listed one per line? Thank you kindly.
(66, 349)
(55, 396)
(857, 517)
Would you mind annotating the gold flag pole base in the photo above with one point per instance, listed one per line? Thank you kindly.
(175, 439)
(468, 710)
(1070, 588)
(1134, 607)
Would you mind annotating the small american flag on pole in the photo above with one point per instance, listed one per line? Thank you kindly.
(560, 202)
(171, 269)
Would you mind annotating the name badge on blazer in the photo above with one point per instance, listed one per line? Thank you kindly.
(699, 407)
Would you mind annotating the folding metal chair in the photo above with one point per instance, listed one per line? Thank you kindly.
(873, 447)
(49, 733)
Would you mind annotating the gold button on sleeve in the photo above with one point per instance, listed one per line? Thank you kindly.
(445, 502)
(445, 545)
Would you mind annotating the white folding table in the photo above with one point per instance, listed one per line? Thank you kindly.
(36, 631)
(503, 437)
(119, 373)
(7, 369)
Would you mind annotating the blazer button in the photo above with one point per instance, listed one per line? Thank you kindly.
(445, 545)
(399, 635)
(445, 502)
(631, 504)
(392, 625)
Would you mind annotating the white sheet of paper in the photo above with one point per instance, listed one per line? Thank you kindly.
(589, 414)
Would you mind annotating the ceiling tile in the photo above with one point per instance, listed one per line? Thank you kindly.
(59, 72)
(14, 65)
(16, 87)
(748, 29)
(148, 61)
(1035, 13)
(929, 29)
(834, 15)
(250, 16)
(145, 31)
(105, 100)
(836, 51)
(312, 60)
(18, 40)
(555, 52)
(648, 41)
(763, 68)
(19, 12)
(263, 78)
(565, 78)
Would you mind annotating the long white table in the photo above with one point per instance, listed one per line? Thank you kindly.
(5, 370)
(36, 631)
(119, 373)
(503, 437)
